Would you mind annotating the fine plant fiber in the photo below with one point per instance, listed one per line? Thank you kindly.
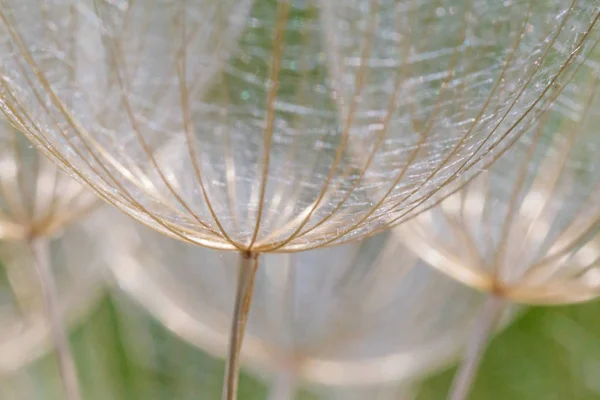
(282, 125)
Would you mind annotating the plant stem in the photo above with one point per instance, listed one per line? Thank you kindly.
(243, 298)
(283, 387)
(485, 324)
(40, 247)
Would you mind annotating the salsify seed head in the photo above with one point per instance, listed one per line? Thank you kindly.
(366, 313)
(78, 267)
(39, 202)
(36, 197)
(529, 228)
(284, 125)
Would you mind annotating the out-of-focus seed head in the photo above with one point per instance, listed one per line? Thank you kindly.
(37, 200)
(77, 267)
(367, 313)
(529, 229)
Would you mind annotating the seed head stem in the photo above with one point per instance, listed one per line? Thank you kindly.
(480, 336)
(243, 299)
(40, 248)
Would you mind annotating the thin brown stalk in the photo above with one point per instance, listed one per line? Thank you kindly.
(68, 372)
(480, 336)
(188, 128)
(349, 118)
(275, 70)
(243, 299)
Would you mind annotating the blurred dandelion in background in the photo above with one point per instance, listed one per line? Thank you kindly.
(528, 230)
(362, 321)
(281, 126)
(45, 267)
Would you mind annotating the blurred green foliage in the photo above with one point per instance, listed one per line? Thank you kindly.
(122, 354)
(549, 354)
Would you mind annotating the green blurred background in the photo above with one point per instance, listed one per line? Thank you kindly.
(122, 354)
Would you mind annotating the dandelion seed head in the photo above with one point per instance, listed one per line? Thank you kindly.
(361, 320)
(535, 227)
(342, 109)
